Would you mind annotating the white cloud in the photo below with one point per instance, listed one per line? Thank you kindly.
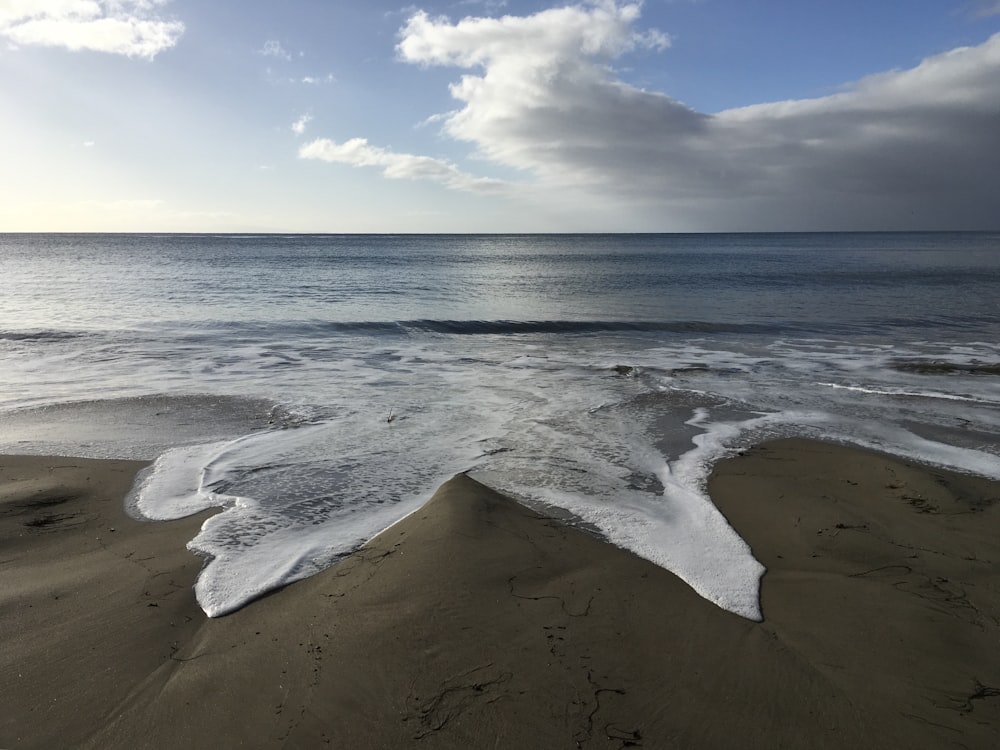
(316, 80)
(546, 88)
(299, 126)
(543, 40)
(490, 6)
(396, 166)
(990, 9)
(273, 48)
(133, 28)
(540, 95)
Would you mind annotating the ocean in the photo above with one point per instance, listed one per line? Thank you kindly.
(320, 387)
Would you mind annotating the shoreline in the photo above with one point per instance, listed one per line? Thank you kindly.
(476, 622)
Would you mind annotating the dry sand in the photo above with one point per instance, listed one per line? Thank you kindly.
(476, 623)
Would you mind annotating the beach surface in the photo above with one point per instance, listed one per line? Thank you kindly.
(478, 623)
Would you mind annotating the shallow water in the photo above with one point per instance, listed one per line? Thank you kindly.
(321, 387)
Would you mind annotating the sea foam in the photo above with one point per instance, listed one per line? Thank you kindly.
(627, 454)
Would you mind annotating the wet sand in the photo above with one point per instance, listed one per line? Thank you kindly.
(477, 623)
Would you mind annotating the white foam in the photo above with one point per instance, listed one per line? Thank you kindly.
(253, 548)
(906, 444)
(686, 533)
(874, 391)
(679, 528)
(296, 500)
(878, 436)
(629, 455)
(283, 554)
(175, 485)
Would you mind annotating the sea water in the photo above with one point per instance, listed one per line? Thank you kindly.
(319, 388)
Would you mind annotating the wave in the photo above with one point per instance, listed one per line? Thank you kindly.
(40, 335)
(501, 327)
(896, 392)
(504, 327)
(939, 367)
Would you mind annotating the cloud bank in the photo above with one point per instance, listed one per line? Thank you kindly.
(918, 147)
(133, 28)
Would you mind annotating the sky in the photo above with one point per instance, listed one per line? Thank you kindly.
(499, 116)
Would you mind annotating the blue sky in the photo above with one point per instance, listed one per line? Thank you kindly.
(478, 115)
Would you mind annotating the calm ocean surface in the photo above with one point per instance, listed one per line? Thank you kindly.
(599, 374)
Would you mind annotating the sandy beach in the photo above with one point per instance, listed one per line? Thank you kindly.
(478, 623)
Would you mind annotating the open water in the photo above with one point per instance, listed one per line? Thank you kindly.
(321, 387)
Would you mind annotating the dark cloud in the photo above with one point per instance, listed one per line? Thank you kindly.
(916, 148)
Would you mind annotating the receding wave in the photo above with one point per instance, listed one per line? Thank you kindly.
(40, 335)
(511, 327)
(939, 367)
(141, 427)
(901, 393)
